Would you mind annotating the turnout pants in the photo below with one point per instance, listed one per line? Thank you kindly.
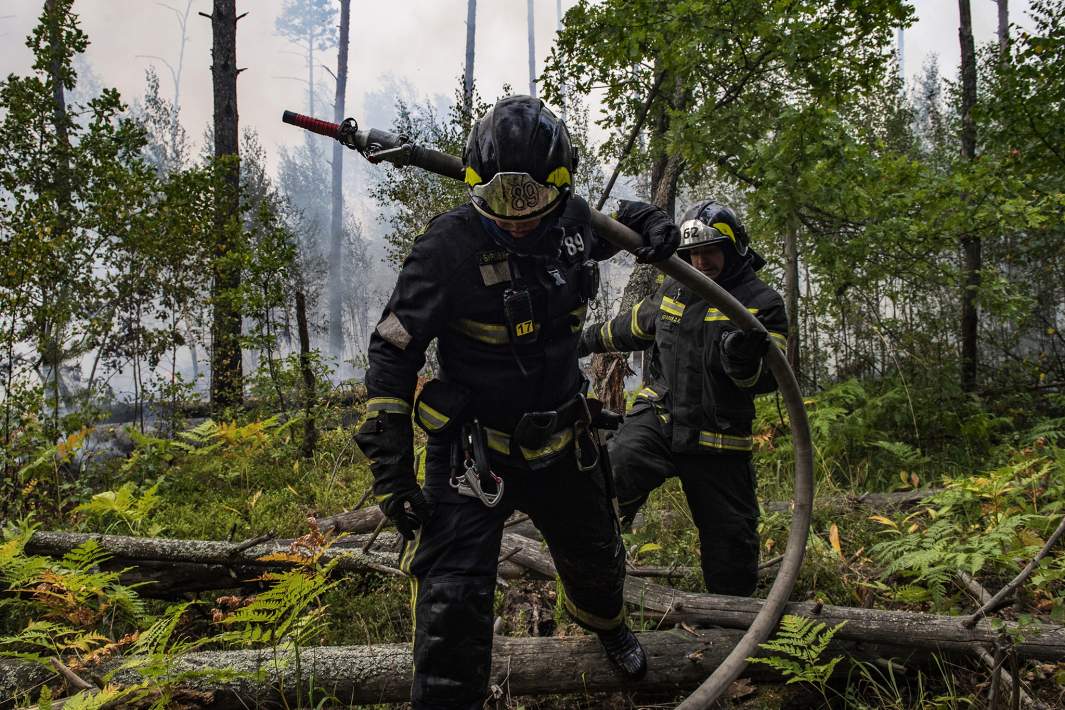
(720, 488)
(454, 558)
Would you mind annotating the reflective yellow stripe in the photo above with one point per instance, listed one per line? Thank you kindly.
(717, 440)
(556, 444)
(599, 623)
(500, 441)
(674, 308)
(780, 339)
(392, 405)
(647, 392)
(497, 441)
(580, 312)
(714, 314)
(490, 333)
(606, 336)
(431, 418)
(635, 326)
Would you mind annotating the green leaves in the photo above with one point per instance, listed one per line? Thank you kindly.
(799, 645)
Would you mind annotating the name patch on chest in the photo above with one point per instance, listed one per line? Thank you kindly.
(495, 269)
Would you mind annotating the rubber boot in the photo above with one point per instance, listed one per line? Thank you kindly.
(624, 651)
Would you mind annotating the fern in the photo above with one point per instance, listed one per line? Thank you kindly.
(799, 645)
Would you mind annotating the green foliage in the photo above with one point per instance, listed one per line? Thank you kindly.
(979, 523)
(124, 506)
(799, 645)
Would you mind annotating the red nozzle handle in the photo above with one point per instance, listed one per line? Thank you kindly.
(314, 125)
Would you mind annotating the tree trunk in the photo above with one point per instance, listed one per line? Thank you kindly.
(791, 292)
(195, 560)
(467, 76)
(382, 673)
(532, 49)
(970, 243)
(310, 431)
(1003, 29)
(227, 378)
(336, 245)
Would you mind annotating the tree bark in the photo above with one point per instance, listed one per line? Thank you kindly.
(310, 430)
(382, 673)
(467, 76)
(532, 49)
(227, 378)
(336, 245)
(791, 292)
(1003, 29)
(195, 561)
(909, 629)
(970, 243)
(366, 519)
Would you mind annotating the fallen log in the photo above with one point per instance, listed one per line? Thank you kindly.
(211, 565)
(931, 632)
(678, 661)
(367, 519)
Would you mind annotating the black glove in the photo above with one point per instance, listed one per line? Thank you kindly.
(660, 236)
(587, 342)
(743, 347)
(387, 441)
(408, 511)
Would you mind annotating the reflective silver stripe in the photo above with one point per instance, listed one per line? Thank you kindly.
(497, 441)
(717, 440)
(490, 333)
(749, 382)
(431, 418)
(391, 405)
(674, 308)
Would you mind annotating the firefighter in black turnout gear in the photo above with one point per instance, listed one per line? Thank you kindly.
(693, 417)
(502, 285)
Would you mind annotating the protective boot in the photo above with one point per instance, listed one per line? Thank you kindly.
(624, 651)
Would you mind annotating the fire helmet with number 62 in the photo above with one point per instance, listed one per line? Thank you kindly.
(518, 161)
(710, 222)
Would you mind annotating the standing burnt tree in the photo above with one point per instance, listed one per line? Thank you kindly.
(227, 379)
(336, 240)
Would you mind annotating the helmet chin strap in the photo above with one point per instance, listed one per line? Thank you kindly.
(535, 242)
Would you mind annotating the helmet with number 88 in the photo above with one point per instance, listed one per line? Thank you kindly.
(518, 161)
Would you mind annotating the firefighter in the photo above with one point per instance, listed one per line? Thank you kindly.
(502, 285)
(693, 417)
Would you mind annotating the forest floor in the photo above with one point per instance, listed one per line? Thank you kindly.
(1001, 491)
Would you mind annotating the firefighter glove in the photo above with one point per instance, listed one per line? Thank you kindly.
(660, 235)
(408, 511)
(745, 346)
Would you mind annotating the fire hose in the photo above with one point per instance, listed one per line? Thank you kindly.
(382, 146)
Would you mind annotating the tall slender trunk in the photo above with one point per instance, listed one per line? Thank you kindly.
(791, 291)
(558, 28)
(53, 335)
(227, 378)
(1003, 28)
(467, 76)
(336, 246)
(183, 23)
(532, 49)
(970, 243)
(310, 430)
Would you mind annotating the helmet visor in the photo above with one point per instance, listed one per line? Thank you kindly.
(515, 197)
(695, 233)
